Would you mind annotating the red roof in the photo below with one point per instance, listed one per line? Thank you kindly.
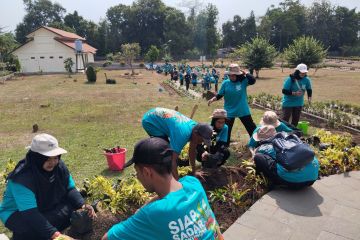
(86, 47)
(63, 33)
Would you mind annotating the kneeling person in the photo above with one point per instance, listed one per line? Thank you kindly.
(181, 209)
(266, 162)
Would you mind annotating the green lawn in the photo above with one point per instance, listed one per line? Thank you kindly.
(88, 117)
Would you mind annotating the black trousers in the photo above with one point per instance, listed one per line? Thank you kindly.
(293, 112)
(58, 217)
(266, 165)
(247, 121)
(187, 84)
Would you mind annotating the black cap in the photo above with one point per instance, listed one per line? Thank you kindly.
(205, 131)
(151, 150)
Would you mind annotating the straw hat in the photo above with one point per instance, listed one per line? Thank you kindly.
(270, 118)
(219, 113)
(234, 69)
(264, 132)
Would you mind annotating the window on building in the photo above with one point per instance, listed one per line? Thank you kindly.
(51, 57)
(42, 57)
(32, 57)
(60, 57)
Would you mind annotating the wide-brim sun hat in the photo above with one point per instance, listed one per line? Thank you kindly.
(46, 145)
(264, 132)
(219, 113)
(234, 69)
(270, 118)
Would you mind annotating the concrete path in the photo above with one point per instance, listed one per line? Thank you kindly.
(192, 92)
(327, 211)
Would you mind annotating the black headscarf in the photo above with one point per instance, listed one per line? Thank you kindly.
(50, 188)
(296, 75)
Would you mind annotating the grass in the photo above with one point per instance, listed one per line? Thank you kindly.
(88, 117)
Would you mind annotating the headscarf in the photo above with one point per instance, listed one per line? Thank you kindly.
(50, 188)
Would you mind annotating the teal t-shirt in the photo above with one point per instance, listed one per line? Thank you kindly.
(184, 214)
(281, 128)
(295, 101)
(309, 172)
(223, 134)
(163, 122)
(235, 98)
(19, 198)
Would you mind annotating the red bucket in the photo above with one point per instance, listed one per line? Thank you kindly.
(116, 161)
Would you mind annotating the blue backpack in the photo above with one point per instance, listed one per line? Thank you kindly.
(291, 152)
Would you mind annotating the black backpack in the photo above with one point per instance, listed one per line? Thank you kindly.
(291, 152)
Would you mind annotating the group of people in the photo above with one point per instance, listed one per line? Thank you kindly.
(40, 193)
(195, 75)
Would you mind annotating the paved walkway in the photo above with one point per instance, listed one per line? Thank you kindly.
(327, 211)
(192, 92)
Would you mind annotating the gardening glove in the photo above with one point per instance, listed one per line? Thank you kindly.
(90, 210)
(204, 156)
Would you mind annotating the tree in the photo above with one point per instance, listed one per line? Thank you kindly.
(38, 13)
(306, 50)
(257, 54)
(68, 64)
(129, 52)
(153, 54)
(212, 35)
(7, 45)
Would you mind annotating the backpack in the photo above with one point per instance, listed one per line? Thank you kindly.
(291, 152)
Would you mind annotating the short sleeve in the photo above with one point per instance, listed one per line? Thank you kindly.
(287, 84)
(224, 134)
(133, 228)
(71, 182)
(24, 197)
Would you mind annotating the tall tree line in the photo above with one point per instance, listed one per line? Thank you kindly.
(151, 22)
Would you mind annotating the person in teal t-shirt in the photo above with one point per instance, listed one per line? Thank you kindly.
(265, 162)
(178, 129)
(294, 90)
(235, 98)
(269, 118)
(179, 211)
(218, 152)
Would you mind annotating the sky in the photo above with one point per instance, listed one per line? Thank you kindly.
(12, 11)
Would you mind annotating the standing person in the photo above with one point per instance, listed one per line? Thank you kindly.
(216, 81)
(207, 81)
(235, 98)
(187, 80)
(178, 129)
(40, 193)
(218, 152)
(181, 77)
(180, 209)
(194, 78)
(294, 90)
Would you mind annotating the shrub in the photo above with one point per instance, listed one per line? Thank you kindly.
(107, 63)
(306, 50)
(122, 63)
(141, 65)
(91, 74)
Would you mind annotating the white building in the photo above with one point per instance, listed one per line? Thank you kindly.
(47, 48)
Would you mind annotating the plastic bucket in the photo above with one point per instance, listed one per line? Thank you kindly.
(303, 126)
(116, 161)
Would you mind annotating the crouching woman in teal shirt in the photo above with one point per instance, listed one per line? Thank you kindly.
(265, 162)
(40, 193)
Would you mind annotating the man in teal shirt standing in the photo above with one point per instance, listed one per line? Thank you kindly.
(178, 129)
(294, 90)
(179, 211)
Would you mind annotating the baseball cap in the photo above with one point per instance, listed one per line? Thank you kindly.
(46, 145)
(151, 150)
(302, 68)
(205, 131)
